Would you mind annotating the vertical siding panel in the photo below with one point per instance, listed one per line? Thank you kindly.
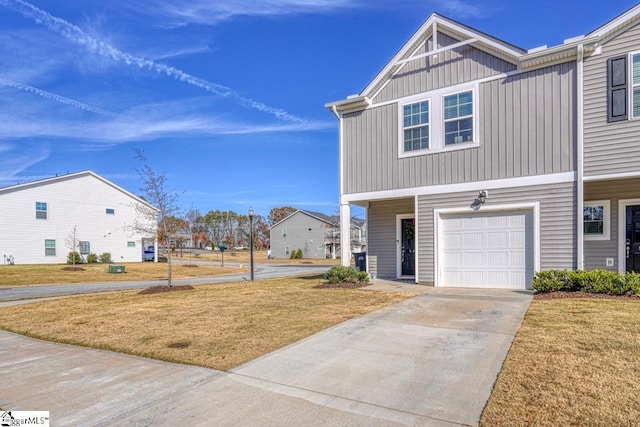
(515, 141)
(609, 147)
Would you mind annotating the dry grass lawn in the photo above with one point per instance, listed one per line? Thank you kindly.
(216, 326)
(574, 362)
(183, 267)
(20, 275)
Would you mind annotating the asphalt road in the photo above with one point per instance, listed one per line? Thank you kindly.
(262, 271)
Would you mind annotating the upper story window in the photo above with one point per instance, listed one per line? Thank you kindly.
(442, 120)
(416, 126)
(284, 232)
(41, 210)
(111, 211)
(458, 118)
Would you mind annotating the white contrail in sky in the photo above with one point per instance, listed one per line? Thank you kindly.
(54, 97)
(75, 34)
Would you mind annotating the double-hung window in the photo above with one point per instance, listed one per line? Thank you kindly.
(595, 219)
(458, 118)
(416, 126)
(41, 210)
(440, 120)
(49, 247)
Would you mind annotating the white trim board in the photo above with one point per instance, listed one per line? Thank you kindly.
(558, 178)
(437, 230)
(612, 176)
(399, 218)
(622, 231)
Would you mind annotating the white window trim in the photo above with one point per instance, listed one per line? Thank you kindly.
(436, 120)
(429, 124)
(606, 221)
(631, 86)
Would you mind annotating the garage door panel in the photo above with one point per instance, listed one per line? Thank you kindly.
(489, 250)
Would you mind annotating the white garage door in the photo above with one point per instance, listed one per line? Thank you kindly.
(487, 250)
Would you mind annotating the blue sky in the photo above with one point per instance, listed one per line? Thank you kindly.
(225, 97)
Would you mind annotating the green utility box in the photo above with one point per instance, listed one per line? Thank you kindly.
(116, 269)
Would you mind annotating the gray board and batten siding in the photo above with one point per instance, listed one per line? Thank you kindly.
(596, 251)
(527, 127)
(557, 225)
(459, 65)
(381, 217)
(609, 148)
(557, 222)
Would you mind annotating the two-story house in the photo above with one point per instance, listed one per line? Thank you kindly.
(42, 220)
(479, 163)
(317, 235)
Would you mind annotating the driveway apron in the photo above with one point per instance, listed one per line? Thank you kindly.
(430, 360)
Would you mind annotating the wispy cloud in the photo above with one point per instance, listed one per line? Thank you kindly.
(16, 159)
(100, 47)
(206, 12)
(54, 97)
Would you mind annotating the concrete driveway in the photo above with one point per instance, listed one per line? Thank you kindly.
(431, 360)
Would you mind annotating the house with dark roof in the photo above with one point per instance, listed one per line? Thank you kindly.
(317, 235)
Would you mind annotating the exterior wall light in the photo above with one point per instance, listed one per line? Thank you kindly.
(482, 196)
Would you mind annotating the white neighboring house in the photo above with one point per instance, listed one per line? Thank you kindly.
(38, 217)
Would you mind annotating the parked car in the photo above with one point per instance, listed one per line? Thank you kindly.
(149, 254)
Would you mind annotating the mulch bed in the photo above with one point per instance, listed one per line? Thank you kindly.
(341, 285)
(72, 269)
(164, 288)
(564, 294)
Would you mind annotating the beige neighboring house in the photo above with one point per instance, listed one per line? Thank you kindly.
(316, 234)
(38, 217)
(480, 163)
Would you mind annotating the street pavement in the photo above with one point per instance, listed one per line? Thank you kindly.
(262, 271)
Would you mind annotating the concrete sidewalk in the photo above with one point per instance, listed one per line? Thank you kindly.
(431, 360)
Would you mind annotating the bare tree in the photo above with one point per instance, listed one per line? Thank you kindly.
(73, 242)
(156, 222)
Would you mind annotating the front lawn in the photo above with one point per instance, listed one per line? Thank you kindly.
(574, 362)
(41, 274)
(217, 326)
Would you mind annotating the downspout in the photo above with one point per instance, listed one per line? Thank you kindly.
(580, 160)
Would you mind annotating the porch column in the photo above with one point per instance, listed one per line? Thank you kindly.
(345, 234)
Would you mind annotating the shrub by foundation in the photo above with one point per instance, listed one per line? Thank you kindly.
(589, 281)
(342, 274)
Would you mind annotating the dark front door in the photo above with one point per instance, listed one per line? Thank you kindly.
(633, 238)
(408, 249)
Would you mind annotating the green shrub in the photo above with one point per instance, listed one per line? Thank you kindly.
(74, 258)
(92, 258)
(296, 254)
(590, 281)
(342, 274)
(552, 280)
(105, 257)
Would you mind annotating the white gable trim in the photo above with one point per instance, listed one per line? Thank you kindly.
(48, 181)
(526, 181)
